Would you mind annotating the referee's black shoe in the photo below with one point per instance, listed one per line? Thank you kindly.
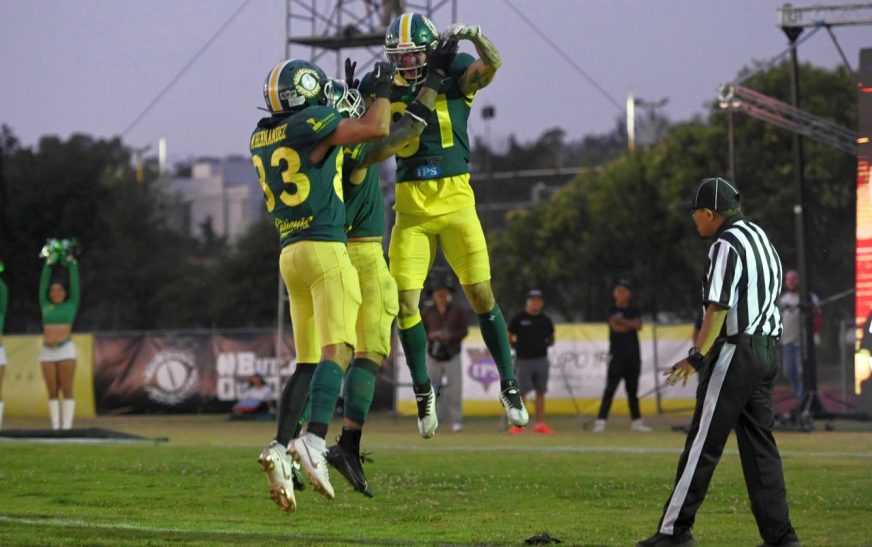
(350, 466)
(681, 539)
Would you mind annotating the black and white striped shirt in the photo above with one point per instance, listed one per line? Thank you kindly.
(743, 274)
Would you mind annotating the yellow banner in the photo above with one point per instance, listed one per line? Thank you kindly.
(23, 387)
(578, 370)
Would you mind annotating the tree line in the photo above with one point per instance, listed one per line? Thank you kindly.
(625, 220)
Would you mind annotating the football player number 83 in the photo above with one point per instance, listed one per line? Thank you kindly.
(291, 175)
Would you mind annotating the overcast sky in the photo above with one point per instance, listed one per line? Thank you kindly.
(93, 65)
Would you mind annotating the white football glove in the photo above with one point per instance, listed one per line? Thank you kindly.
(459, 31)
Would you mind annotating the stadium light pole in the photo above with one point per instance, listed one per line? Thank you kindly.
(810, 402)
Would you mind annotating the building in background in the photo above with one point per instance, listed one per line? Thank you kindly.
(220, 199)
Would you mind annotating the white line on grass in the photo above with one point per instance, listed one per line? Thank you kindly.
(604, 449)
(73, 523)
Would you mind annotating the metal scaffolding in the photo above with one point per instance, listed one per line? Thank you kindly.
(331, 26)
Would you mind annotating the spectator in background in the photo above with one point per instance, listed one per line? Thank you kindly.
(791, 336)
(258, 398)
(531, 333)
(446, 327)
(625, 362)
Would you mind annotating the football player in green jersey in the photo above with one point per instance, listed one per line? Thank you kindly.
(365, 225)
(297, 155)
(435, 203)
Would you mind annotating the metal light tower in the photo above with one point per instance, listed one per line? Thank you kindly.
(792, 22)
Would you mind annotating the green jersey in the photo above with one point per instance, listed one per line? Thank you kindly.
(65, 312)
(442, 150)
(304, 199)
(4, 302)
(364, 202)
(433, 169)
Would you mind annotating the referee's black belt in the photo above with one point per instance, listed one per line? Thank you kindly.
(751, 339)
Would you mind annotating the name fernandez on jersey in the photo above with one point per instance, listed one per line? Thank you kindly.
(268, 137)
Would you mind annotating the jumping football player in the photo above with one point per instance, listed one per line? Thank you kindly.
(435, 203)
(365, 226)
(297, 155)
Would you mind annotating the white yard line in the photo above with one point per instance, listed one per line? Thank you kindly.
(73, 523)
(604, 450)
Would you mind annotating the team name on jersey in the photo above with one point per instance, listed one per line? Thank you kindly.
(286, 227)
(267, 137)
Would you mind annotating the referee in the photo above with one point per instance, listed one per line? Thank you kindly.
(736, 353)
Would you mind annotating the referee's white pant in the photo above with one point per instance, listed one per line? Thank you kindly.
(735, 392)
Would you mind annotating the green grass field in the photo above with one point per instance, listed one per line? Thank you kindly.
(474, 487)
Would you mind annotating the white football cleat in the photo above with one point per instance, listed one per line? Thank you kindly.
(640, 426)
(516, 412)
(304, 450)
(278, 467)
(599, 426)
(427, 421)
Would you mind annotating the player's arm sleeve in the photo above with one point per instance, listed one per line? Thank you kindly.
(481, 71)
(723, 271)
(43, 285)
(402, 132)
(74, 283)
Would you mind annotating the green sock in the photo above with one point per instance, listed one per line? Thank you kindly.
(414, 341)
(359, 389)
(496, 338)
(325, 388)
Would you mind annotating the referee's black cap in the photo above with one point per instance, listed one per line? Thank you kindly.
(715, 193)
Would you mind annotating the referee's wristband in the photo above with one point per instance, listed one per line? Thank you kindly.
(695, 358)
(418, 111)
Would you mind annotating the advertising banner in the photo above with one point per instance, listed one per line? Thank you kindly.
(863, 281)
(184, 373)
(23, 387)
(577, 377)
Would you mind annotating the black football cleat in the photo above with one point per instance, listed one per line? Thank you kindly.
(351, 467)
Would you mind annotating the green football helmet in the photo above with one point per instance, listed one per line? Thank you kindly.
(408, 35)
(292, 85)
(347, 101)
